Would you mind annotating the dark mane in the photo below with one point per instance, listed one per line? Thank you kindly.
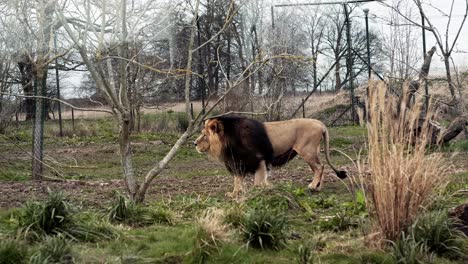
(246, 143)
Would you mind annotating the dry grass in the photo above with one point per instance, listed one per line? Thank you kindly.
(403, 173)
(212, 232)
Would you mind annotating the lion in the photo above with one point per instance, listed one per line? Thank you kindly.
(247, 146)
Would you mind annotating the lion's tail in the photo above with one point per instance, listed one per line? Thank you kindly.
(340, 173)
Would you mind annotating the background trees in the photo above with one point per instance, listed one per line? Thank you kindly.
(136, 54)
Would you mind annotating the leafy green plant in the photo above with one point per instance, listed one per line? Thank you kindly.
(265, 229)
(12, 252)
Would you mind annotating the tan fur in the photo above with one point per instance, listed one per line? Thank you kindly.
(304, 137)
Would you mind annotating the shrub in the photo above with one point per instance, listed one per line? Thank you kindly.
(265, 229)
(12, 252)
(55, 249)
(210, 235)
(402, 174)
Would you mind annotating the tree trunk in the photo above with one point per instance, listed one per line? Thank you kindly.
(456, 127)
(26, 68)
(126, 156)
(449, 78)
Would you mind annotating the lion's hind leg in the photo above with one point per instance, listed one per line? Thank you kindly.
(311, 157)
(317, 182)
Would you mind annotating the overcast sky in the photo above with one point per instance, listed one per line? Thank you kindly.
(439, 21)
(378, 14)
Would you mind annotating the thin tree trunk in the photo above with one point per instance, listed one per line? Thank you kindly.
(161, 165)
(449, 78)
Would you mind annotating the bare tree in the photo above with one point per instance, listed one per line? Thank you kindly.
(446, 41)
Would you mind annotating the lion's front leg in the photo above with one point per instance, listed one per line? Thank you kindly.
(261, 175)
(238, 187)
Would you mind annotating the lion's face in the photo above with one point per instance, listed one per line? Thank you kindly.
(202, 144)
(209, 140)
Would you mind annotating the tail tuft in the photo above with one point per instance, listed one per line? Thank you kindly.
(341, 174)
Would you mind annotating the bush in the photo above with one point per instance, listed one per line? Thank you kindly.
(46, 218)
(210, 235)
(403, 176)
(55, 249)
(12, 252)
(265, 229)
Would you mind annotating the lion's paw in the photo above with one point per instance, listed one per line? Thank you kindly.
(231, 195)
(314, 187)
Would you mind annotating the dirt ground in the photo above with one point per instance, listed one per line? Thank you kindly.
(94, 193)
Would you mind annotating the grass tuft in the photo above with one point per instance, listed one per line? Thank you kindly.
(436, 231)
(46, 218)
(406, 250)
(304, 255)
(12, 252)
(56, 249)
(265, 229)
(211, 234)
(127, 212)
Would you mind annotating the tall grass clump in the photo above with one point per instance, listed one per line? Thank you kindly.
(12, 252)
(127, 212)
(403, 172)
(211, 234)
(55, 249)
(45, 218)
(437, 232)
(55, 216)
(265, 229)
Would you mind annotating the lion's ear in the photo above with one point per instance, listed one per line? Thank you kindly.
(214, 127)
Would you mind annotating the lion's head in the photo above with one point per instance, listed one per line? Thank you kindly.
(210, 140)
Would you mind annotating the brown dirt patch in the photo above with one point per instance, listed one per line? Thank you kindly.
(100, 193)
